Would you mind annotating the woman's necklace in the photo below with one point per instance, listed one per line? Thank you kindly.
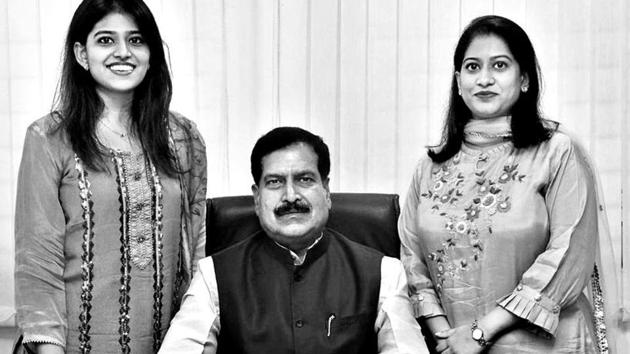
(122, 135)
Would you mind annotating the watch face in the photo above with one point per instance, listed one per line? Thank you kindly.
(477, 334)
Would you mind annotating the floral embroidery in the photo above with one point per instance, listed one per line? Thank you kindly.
(464, 229)
(472, 212)
(510, 173)
(504, 206)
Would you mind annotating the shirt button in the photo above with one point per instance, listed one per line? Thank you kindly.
(137, 176)
(538, 297)
(141, 239)
(299, 323)
(556, 309)
(139, 206)
(519, 287)
(297, 277)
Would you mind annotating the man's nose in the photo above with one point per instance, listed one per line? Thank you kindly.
(291, 193)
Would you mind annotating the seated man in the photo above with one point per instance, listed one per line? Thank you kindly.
(295, 287)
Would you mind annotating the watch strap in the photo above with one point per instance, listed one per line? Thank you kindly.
(481, 340)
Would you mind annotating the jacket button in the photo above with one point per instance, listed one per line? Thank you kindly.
(297, 277)
(299, 323)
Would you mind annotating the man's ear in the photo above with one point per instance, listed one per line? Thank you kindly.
(256, 194)
(80, 55)
(325, 183)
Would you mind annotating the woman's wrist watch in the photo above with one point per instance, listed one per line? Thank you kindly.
(477, 334)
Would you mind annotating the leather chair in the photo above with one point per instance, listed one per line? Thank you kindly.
(370, 219)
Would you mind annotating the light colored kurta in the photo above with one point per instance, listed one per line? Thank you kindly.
(498, 226)
(50, 235)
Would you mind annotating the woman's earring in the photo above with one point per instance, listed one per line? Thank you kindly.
(524, 88)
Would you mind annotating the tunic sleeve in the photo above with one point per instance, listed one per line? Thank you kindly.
(198, 189)
(191, 153)
(39, 243)
(423, 297)
(560, 274)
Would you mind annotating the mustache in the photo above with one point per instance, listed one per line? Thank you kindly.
(292, 207)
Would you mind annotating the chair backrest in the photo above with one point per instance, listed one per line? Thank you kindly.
(367, 218)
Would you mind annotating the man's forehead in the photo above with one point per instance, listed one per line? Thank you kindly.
(296, 158)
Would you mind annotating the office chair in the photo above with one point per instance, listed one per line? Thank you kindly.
(367, 218)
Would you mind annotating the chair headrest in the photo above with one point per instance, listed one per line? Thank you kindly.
(368, 218)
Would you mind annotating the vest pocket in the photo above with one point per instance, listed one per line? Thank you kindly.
(341, 325)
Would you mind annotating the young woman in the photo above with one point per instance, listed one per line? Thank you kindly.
(111, 193)
(500, 228)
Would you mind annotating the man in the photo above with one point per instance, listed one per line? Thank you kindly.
(295, 287)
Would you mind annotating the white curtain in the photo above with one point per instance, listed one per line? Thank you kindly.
(370, 76)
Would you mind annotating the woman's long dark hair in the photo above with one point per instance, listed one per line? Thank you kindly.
(528, 127)
(80, 107)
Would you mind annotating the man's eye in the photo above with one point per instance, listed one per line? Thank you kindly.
(306, 179)
(272, 182)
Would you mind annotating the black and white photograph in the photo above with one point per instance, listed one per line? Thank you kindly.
(314, 176)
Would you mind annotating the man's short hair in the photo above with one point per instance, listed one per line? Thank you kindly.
(282, 137)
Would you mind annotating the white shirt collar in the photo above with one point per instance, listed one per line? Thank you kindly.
(300, 257)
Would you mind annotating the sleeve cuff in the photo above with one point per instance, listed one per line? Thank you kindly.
(539, 310)
(41, 339)
(426, 306)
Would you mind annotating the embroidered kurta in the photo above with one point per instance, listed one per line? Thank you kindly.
(53, 294)
(499, 226)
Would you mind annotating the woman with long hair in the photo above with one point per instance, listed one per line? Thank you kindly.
(111, 193)
(500, 228)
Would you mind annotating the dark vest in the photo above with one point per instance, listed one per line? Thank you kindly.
(327, 305)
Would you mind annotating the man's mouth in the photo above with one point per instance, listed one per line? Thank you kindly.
(292, 208)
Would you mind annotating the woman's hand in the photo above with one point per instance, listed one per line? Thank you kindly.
(433, 325)
(442, 346)
(458, 341)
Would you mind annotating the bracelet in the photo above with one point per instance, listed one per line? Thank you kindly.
(477, 334)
